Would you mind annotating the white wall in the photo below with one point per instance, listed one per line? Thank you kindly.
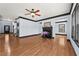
(27, 27)
(56, 25)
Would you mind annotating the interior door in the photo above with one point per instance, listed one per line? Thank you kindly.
(6, 29)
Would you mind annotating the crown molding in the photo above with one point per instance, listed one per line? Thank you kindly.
(71, 7)
(25, 18)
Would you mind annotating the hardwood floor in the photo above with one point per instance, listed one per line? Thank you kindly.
(35, 46)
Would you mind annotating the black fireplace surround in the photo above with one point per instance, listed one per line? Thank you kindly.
(49, 30)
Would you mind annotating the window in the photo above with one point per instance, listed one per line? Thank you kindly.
(75, 25)
(62, 28)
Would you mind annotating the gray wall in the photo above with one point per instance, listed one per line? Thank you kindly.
(5, 22)
(56, 25)
(0, 27)
(27, 27)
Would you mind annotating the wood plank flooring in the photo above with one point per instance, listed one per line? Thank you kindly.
(35, 46)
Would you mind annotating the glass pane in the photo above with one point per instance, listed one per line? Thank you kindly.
(77, 23)
(73, 26)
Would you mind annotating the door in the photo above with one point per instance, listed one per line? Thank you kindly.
(6, 29)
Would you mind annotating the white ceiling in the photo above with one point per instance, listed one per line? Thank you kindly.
(13, 10)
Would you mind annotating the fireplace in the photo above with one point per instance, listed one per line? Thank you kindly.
(47, 31)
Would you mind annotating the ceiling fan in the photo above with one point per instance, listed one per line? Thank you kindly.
(33, 12)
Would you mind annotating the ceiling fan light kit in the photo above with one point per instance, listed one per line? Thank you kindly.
(33, 13)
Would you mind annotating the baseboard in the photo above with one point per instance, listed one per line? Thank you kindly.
(9, 33)
(72, 46)
(61, 34)
(1, 33)
(30, 35)
(52, 37)
(68, 39)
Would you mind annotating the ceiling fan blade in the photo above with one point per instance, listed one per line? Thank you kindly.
(38, 14)
(28, 14)
(37, 11)
(27, 10)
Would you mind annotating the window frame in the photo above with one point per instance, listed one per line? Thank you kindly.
(75, 38)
